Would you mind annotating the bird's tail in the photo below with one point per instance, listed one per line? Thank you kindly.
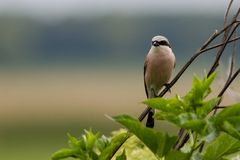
(150, 119)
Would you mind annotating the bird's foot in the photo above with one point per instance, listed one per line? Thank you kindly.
(167, 85)
(155, 95)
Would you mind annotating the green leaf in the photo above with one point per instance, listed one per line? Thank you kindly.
(197, 125)
(206, 107)
(167, 116)
(90, 139)
(173, 105)
(210, 132)
(64, 153)
(200, 90)
(122, 156)
(228, 120)
(221, 146)
(159, 143)
(73, 141)
(189, 144)
(186, 117)
(235, 121)
(196, 156)
(102, 143)
(89, 147)
(184, 120)
(229, 111)
(230, 129)
(115, 144)
(177, 155)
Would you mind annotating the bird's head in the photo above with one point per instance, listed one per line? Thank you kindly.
(160, 41)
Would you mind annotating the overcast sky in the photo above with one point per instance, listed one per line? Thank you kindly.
(100, 7)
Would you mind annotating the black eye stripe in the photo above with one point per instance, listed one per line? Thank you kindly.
(162, 43)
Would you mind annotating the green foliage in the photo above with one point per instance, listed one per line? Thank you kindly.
(88, 147)
(220, 134)
(159, 143)
(116, 142)
(221, 146)
(188, 112)
(229, 120)
(122, 156)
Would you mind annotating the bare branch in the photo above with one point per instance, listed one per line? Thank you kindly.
(228, 83)
(227, 11)
(220, 107)
(220, 95)
(225, 18)
(216, 62)
(226, 38)
(219, 45)
(233, 19)
(233, 58)
(189, 62)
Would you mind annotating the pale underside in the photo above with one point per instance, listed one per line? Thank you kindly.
(158, 68)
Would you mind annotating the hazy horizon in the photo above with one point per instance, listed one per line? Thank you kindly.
(64, 65)
(56, 9)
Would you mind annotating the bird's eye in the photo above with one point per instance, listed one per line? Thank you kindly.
(164, 43)
(160, 43)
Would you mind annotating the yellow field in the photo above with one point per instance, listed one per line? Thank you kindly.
(38, 107)
(53, 95)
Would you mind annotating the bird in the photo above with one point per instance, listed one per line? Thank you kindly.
(158, 67)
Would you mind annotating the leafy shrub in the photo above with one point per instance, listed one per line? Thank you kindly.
(215, 137)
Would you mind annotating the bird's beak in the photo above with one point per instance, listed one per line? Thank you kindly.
(155, 43)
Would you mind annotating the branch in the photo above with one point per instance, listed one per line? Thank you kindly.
(220, 95)
(220, 44)
(233, 58)
(228, 83)
(202, 50)
(216, 62)
(225, 18)
(220, 107)
(226, 32)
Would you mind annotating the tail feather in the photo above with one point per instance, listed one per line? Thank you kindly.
(150, 119)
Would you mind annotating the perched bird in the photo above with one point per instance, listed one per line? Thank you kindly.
(158, 67)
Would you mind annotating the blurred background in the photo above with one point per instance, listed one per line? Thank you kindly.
(64, 65)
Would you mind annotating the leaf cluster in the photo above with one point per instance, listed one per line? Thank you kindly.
(220, 133)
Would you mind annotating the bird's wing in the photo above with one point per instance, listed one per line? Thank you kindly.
(174, 61)
(145, 67)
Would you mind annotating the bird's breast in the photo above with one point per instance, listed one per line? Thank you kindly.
(159, 70)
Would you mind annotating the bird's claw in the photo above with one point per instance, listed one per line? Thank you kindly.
(167, 85)
(155, 95)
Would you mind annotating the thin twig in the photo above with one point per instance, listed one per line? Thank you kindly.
(220, 96)
(227, 11)
(226, 39)
(189, 62)
(233, 57)
(226, 32)
(216, 62)
(220, 107)
(211, 71)
(228, 83)
(226, 17)
(230, 79)
(220, 44)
